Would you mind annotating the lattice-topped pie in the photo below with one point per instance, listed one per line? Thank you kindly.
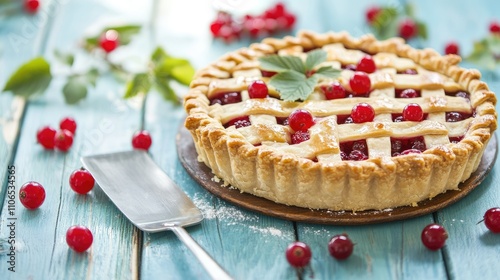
(381, 124)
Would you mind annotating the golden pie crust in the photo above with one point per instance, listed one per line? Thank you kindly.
(257, 159)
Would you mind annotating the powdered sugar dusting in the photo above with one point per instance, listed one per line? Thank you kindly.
(268, 230)
(229, 214)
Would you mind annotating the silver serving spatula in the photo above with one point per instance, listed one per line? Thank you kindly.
(149, 198)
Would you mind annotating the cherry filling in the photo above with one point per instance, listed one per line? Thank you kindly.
(282, 120)
(462, 94)
(456, 139)
(351, 67)
(343, 119)
(267, 74)
(300, 136)
(407, 93)
(226, 98)
(457, 116)
(402, 146)
(239, 122)
(354, 150)
(408, 72)
(399, 117)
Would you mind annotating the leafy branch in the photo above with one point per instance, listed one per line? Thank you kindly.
(486, 52)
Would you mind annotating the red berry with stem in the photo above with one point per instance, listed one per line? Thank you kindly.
(69, 124)
(408, 28)
(298, 254)
(141, 140)
(360, 83)
(492, 219)
(45, 137)
(434, 236)
(413, 112)
(109, 40)
(300, 120)
(495, 27)
(81, 181)
(362, 112)
(79, 238)
(451, 48)
(32, 195)
(340, 246)
(63, 140)
(372, 13)
(333, 91)
(366, 64)
(258, 89)
(31, 6)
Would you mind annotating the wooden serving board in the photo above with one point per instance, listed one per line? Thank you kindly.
(203, 175)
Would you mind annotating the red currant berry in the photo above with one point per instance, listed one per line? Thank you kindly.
(360, 83)
(63, 140)
(298, 254)
(495, 27)
(372, 13)
(366, 64)
(340, 247)
(258, 89)
(434, 236)
(451, 48)
(109, 41)
(300, 136)
(79, 238)
(333, 91)
(32, 195)
(492, 219)
(215, 27)
(362, 112)
(81, 181)
(300, 120)
(289, 20)
(45, 137)
(68, 123)
(31, 6)
(141, 140)
(408, 28)
(413, 112)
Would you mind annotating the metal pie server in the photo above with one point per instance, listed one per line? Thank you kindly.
(149, 198)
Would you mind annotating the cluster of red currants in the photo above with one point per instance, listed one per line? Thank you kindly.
(61, 139)
(31, 6)
(273, 20)
(453, 47)
(407, 27)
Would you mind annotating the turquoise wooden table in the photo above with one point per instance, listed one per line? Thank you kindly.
(248, 245)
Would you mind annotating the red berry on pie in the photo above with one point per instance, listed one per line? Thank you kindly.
(109, 41)
(258, 89)
(69, 124)
(451, 48)
(81, 181)
(372, 13)
(434, 236)
(63, 140)
(495, 27)
(141, 140)
(298, 254)
(333, 91)
(32, 195)
(31, 6)
(79, 238)
(300, 120)
(362, 112)
(366, 64)
(408, 28)
(492, 219)
(413, 112)
(45, 136)
(360, 83)
(340, 246)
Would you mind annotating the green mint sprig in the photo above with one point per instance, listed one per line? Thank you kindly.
(296, 78)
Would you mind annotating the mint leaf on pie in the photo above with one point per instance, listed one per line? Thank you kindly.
(327, 72)
(293, 85)
(281, 63)
(314, 58)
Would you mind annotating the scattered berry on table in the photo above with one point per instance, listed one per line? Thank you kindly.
(366, 64)
(45, 136)
(300, 120)
(32, 195)
(31, 6)
(360, 83)
(109, 41)
(79, 238)
(434, 236)
(372, 13)
(340, 246)
(495, 27)
(68, 123)
(362, 112)
(408, 28)
(141, 140)
(81, 181)
(413, 112)
(333, 91)
(258, 89)
(63, 140)
(298, 254)
(492, 219)
(452, 48)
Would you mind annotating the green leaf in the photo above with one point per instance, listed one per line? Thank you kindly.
(494, 44)
(183, 74)
(159, 55)
(314, 58)
(409, 10)
(92, 76)
(165, 67)
(385, 24)
(178, 68)
(163, 87)
(65, 58)
(74, 90)
(31, 78)
(293, 85)
(422, 30)
(279, 63)
(327, 72)
(140, 84)
(482, 54)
